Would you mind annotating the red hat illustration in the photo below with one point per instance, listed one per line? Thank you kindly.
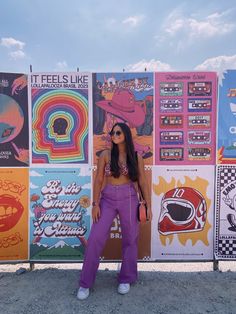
(123, 105)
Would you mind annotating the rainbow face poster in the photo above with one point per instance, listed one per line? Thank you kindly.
(14, 124)
(227, 119)
(14, 186)
(59, 213)
(185, 118)
(125, 98)
(60, 118)
(183, 212)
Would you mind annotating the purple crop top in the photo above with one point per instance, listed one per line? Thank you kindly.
(123, 169)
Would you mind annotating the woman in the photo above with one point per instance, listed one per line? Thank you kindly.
(122, 169)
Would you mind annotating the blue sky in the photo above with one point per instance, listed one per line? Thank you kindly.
(106, 36)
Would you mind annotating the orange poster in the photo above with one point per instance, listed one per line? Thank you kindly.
(14, 214)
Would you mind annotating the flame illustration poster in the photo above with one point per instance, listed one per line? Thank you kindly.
(227, 119)
(59, 213)
(60, 109)
(14, 134)
(182, 226)
(14, 184)
(225, 235)
(185, 118)
(123, 97)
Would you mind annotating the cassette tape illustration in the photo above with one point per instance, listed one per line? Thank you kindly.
(171, 105)
(183, 209)
(199, 137)
(172, 137)
(203, 121)
(171, 154)
(171, 89)
(195, 105)
(171, 121)
(199, 153)
(199, 89)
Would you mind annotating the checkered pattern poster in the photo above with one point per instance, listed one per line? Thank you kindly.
(225, 237)
(183, 211)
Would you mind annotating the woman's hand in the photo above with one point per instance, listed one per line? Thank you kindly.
(149, 214)
(96, 213)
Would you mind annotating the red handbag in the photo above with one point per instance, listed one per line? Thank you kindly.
(142, 207)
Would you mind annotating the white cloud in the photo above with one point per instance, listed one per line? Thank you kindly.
(152, 65)
(34, 173)
(219, 64)
(212, 25)
(10, 42)
(61, 66)
(18, 54)
(133, 21)
(33, 186)
(86, 186)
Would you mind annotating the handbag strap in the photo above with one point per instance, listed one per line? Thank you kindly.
(139, 191)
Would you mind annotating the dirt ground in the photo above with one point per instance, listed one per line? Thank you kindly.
(161, 288)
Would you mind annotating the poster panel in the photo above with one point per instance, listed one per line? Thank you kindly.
(14, 124)
(225, 231)
(185, 118)
(183, 211)
(128, 98)
(112, 250)
(60, 118)
(227, 119)
(14, 187)
(59, 213)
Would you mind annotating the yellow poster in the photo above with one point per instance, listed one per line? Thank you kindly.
(14, 214)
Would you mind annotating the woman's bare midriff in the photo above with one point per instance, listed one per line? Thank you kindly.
(116, 181)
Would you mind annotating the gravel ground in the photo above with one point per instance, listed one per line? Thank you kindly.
(161, 288)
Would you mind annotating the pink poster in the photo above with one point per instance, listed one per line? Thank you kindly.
(185, 118)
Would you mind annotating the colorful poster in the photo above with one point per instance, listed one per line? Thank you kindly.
(183, 211)
(225, 231)
(14, 124)
(60, 118)
(14, 185)
(128, 98)
(227, 119)
(185, 118)
(59, 213)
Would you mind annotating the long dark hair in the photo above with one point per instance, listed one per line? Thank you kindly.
(132, 162)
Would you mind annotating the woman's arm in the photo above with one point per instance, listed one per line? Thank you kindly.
(98, 185)
(144, 186)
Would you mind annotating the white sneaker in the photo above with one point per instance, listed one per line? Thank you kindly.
(123, 288)
(83, 293)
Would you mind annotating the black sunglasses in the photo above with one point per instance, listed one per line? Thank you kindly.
(118, 133)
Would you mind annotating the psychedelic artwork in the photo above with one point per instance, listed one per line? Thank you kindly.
(185, 118)
(14, 124)
(128, 98)
(14, 185)
(225, 218)
(59, 213)
(183, 211)
(227, 119)
(60, 123)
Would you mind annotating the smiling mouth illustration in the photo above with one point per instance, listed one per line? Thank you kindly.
(11, 211)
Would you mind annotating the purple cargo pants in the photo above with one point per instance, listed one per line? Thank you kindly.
(115, 199)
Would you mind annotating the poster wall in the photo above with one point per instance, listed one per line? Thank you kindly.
(225, 235)
(14, 125)
(128, 98)
(183, 213)
(14, 186)
(185, 118)
(60, 118)
(227, 119)
(59, 213)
